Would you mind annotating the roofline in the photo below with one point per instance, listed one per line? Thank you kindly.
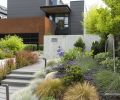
(57, 6)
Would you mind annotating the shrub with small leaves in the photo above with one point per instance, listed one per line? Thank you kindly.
(12, 43)
(108, 63)
(73, 74)
(102, 56)
(80, 44)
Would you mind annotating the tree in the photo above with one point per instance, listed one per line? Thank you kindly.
(104, 21)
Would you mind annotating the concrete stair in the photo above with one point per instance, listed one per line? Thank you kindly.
(19, 78)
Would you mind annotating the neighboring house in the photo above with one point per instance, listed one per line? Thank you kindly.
(32, 19)
(3, 12)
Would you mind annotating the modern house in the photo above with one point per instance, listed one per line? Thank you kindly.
(3, 12)
(32, 19)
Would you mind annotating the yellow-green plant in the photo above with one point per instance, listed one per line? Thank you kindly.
(80, 91)
(53, 88)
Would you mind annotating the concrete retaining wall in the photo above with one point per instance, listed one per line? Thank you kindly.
(66, 42)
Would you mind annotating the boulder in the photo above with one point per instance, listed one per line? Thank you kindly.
(53, 75)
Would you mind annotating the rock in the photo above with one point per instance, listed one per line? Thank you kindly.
(53, 75)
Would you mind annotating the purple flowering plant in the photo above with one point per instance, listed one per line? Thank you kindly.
(60, 52)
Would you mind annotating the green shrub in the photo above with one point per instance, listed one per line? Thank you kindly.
(71, 54)
(108, 81)
(108, 63)
(73, 74)
(50, 88)
(25, 58)
(98, 47)
(80, 91)
(51, 63)
(102, 56)
(6, 54)
(12, 43)
(33, 47)
(80, 44)
(40, 47)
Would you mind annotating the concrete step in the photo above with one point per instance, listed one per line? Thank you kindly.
(23, 72)
(15, 82)
(20, 76)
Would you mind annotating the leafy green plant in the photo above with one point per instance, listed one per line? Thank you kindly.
(71, 54)
(102, 56)
(83, 91)
(73, 74)
(108, 63)
(51, 63)
(80, 44)
(12, 43)
(98, 47)
(53, 88)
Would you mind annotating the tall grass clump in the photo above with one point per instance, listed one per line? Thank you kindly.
(80, 91)
(24, 94)
(50, 88)
(25, 58)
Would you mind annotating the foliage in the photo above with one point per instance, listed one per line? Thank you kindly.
(108, 81)
(101, 57)
(12, 43)
(24, 94)
(73, 74)
(47, 98)
(86, 63)
(108, 63)
(35, 83)
(83, 91)
(25, 58)
(10, 65)
(32, 47)
(5, 54)
(98, 47)
(51, 63)
(53, 88)
(2, 72)
(40, 74)
(80, 44)
(104, 21)
(71, 54)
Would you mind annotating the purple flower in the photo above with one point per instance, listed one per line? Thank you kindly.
(60, 52)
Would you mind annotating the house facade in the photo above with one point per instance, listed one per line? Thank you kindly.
(32, 19)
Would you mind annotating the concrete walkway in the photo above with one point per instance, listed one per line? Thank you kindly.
(12, 89)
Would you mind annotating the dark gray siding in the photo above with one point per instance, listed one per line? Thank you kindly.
(25, 8)
(76, 17)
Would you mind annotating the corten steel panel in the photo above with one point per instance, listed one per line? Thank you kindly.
(76, 17)
(40, 25)
(25, 8)
(22, 25)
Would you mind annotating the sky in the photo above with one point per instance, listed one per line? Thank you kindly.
(88, 3)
